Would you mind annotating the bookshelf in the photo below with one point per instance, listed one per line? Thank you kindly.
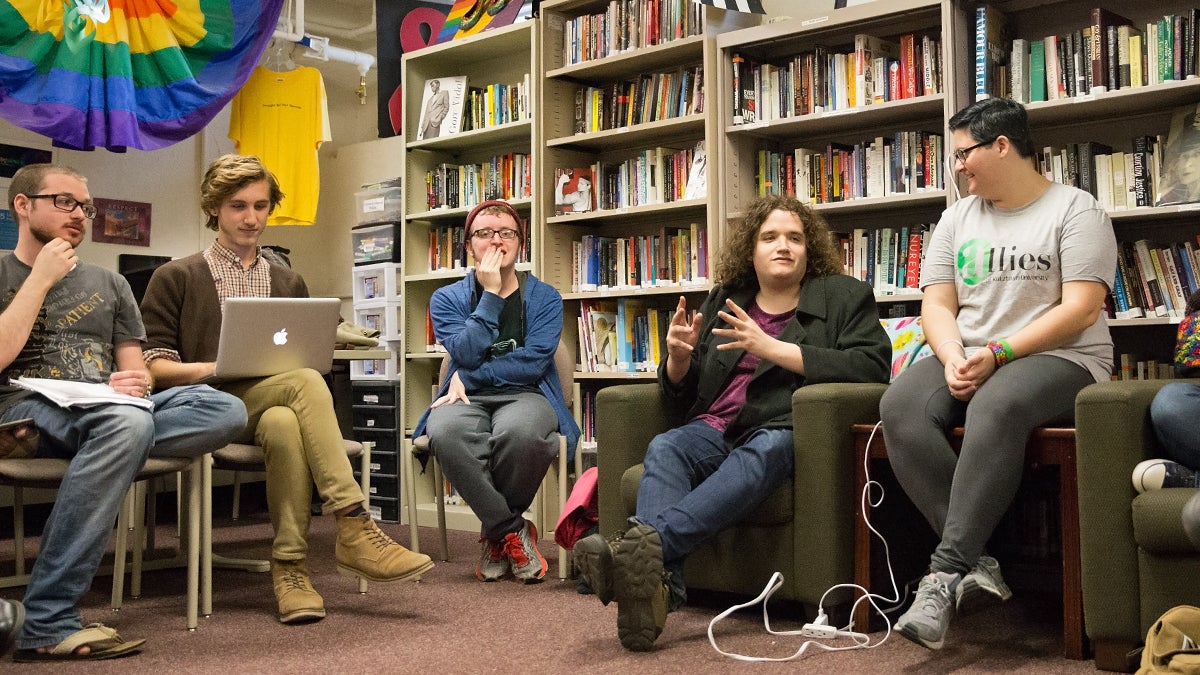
(444, 177)
(798, 122)
(1113, 118)
(605, 108)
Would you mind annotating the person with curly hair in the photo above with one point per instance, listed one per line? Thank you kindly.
(782, 316)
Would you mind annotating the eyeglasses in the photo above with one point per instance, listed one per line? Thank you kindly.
(65, 202)
(961, 155)
(485, 233)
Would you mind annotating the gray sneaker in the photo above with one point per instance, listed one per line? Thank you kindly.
(926, 621)
(1156, 474)
(981, 586)
(494, 565)
(527, 561)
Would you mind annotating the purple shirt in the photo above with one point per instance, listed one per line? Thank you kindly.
(733, 398)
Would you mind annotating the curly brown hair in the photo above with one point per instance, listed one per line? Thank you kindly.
(735, 266)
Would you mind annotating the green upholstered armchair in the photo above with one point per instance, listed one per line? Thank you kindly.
(804, 530)
(1135, 558)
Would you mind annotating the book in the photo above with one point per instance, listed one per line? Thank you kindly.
(1181, 158)
(1100, 53)
(867, 49)
(574, 190)
(1020, 71)
(991, 51)
(1037, 71)
(441, 107)
(697, 178)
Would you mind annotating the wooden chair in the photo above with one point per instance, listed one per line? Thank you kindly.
(564, 364)
(46, 473)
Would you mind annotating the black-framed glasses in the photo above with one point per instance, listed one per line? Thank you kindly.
(485, 233)
(961, 155)
(65, 202)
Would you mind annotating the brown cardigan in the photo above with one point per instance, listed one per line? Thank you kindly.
(181, 311)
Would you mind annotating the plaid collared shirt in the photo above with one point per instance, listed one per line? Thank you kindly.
(232, 281)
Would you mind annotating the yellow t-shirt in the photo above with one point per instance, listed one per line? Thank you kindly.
(283, 118)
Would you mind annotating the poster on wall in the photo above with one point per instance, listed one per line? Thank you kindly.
(13, 157)
(121, 222)
(8, 231)
(408, 25)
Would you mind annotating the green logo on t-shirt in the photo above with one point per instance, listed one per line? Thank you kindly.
(972, 261)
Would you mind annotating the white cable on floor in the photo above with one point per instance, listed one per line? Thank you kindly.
(819, 629)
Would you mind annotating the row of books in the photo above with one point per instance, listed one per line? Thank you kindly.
(905, 163)
(675, 256)
(1119, 180)
(626, 335)
(652, 176)
(1108, 52)
(1130, 367)
(626, 25)
(648, 98)
(888, 259)
(496, 104)
(822, 80)
(1155, 279)
(447, 250)
(454, 186)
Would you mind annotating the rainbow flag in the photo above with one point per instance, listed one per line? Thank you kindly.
(152, 75)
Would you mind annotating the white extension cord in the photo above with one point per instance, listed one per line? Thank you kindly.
(819, 628)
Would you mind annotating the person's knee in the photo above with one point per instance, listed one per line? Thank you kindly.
(277, 424)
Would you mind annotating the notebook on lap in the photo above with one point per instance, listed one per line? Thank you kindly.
(268, 336)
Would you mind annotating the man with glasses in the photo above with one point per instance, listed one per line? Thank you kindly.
(494, 422)
(1014, 284)
(68, 320)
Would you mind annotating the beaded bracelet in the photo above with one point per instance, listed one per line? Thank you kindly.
(1001, 352)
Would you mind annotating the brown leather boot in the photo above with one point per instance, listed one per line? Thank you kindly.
(298, 601)
(366, 551)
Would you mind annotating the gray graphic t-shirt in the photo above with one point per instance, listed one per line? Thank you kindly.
(83, 316)
(1008, 266)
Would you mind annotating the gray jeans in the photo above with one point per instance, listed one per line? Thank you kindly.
(963, 496)
(495, 452)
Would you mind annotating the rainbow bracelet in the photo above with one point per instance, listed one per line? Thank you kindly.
(1001, 351)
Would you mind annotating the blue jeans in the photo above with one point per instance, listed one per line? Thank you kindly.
(106, 446)
(1174, 412)
(695, 485)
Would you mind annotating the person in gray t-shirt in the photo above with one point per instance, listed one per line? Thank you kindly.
(1014, 284)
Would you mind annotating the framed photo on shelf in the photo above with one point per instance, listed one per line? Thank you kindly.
(121, 222)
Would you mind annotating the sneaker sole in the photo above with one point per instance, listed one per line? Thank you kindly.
(972, 597)
(302, 616)
(596, 566)
(637, 576)
(410, 574)
(908, 632)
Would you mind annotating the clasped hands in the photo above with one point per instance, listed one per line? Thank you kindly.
(965, 375)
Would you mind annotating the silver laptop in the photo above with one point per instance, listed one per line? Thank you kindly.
(268, 336)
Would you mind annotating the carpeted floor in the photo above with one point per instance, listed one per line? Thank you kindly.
(450, 622)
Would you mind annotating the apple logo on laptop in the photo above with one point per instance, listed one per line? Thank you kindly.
(280, 337)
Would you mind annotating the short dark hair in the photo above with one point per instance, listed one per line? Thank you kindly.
(994, 117)
(29, 179)
(735, 267)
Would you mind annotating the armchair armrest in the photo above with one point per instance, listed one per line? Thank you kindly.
(822, 415)
(628, 416)
(1112, 434)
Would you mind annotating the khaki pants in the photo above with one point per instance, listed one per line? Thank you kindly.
(291, 416)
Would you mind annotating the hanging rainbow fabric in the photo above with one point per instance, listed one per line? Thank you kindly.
(152, 75)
